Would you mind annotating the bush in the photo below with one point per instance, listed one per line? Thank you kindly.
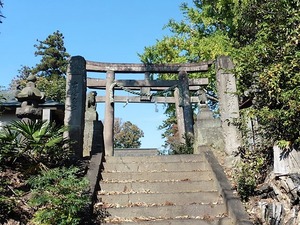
(59, 196)
(248, 174)
(255, 155)
(33, 161)
(184, 148)
(32, 144)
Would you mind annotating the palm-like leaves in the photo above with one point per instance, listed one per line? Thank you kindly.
(35, 141)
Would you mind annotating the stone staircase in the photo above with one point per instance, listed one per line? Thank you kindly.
(161, 190)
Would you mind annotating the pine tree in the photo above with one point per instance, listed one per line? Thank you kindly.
(52, 68)
(51, 71)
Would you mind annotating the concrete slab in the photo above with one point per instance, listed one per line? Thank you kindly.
(157, 176)
(160, 187)
(208, 221)
(155, 166)
(193, 210)
(136, 152)
(150, 199)
(158, 158)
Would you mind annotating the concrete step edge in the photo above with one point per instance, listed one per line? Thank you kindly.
(159, 199)
(160, 187)
(156, 176)
(157, 158)
(173, 221)
(172, 211)
(155, 167)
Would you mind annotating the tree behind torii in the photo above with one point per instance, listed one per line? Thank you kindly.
(127, 135)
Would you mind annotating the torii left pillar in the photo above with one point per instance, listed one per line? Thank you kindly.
(75, 103)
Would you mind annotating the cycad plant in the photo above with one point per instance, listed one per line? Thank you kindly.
(35, 143)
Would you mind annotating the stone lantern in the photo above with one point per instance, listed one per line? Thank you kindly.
(30, 98)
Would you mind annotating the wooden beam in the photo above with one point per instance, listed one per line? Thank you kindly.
(137, 99)
(151, 68)
(101, 83)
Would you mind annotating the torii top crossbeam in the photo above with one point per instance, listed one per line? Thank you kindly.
(151, 68)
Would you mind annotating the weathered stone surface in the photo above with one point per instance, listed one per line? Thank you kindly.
(162, 187)
(135, 152)
(162, 198)
(288, 163)
(186, 104)
(182, 195)
(93, 129)
(159, 158)
(75, 103)
(192, 210)
(109, 115)
(228, 103)
(151, 68)
(30, 98)
(208, 131)
(232, 201)
(160, 176)
(204, 221)
(93, 137)
(143, 167)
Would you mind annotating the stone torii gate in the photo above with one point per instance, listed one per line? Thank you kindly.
(181, 88)
(77, 83)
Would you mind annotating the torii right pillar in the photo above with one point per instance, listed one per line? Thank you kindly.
(228, 103)
(186, 105)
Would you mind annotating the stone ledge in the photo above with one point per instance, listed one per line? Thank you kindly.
(234, 205)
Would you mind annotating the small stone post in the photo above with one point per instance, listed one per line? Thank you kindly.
(109, 115)
(179, 116)
(186, 104)
(228, 103)
(75, 103)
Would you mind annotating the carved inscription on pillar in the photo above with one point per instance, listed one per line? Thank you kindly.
(75, 102)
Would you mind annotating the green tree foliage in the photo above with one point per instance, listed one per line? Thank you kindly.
(127, 135)
(1, 15)
(262, 37)
(269, 67)
(201, 36)
(53, 66)
(51, 71)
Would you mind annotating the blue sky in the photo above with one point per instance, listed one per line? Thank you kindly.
(98, 30)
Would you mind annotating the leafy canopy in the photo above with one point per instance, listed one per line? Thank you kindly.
(51, 71)
(261, 37)
(127, 135)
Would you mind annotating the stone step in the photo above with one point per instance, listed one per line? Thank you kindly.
(163, 176)
(159, 190)
(160, 187)
(136, 152)
(193, 210)
(159, 221)
(115, 200)
(155, 166)
(158, 158)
